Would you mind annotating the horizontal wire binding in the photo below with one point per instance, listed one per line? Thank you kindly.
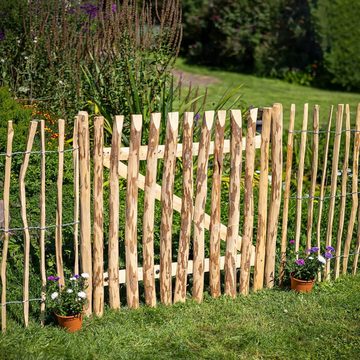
(322, 131)
(38, 152)
(39, 227)
(23, 301)
(306, 197)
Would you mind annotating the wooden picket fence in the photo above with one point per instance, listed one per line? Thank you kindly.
(242, 252)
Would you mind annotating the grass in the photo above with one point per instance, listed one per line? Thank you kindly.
(273, 324)
(261, 92)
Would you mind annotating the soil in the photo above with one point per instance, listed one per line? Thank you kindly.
(194, 79)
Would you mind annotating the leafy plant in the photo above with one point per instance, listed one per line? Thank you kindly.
(69, 299)
(305, 265)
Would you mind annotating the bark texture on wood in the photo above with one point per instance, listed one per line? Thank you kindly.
(276, 182)
(149, 210)
(199, 209)
(167, 192)
(6, 194)
(132, 286)
(98, 246)
(186, 209)
(76, 193)
(113, 247)
(248, 204)
(263, 200)
(234, 203)
(215, 286)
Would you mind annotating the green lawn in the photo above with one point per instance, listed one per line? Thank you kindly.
(274, 324)
(264, 92)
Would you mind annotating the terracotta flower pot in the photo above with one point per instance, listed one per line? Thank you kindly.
(71, 323)
(301, 285)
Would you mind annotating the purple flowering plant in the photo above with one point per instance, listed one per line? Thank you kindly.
(69, 299)
(305, 264)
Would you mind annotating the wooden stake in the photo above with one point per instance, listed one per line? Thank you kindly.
(314, 168)
(334, 176)
(300, 176)
(234, 203)
(343, 192)
(132, 288)
(167, 192)
(322, 186)
(276, 183)
(85, 201)
(149, 210)
(355, 196)
(186, 209)
(98, 245)
(215, 222)
(289, 158)
(76, 193)
(58, 232)
(113, 247)
(357, 247)
(199, 209)
(42, 223)
(263, 200)
(7, 181)
(23, 169)
(248, 203)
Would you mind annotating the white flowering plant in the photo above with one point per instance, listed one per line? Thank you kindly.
(68, 299)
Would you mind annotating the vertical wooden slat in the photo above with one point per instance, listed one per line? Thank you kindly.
(357, 247)
(7, 180)
(113, 246)
(167, 191)
(276, 183)
(355, 195)
(149, 208)
(334, 176)
(285, 216)
(132, 286)
(343, 193)
(314, 168)
(23, 169)
(215, 287)
(76, 193)
(263, 200)
(300, 176)
(58, 232)
(199, 208)
(98, 245)
(42, 222)
(322, 186)
(248, 204)
(186, 209)
(234, 202)
(85, 201)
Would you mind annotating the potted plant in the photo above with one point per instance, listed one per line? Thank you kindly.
(67, 302)
(303, 266)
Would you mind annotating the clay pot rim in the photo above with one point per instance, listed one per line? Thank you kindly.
(303, 281)
(69, 316)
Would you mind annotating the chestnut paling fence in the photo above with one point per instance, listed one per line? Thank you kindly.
(266, 213)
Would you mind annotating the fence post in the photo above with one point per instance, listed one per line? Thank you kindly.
(343, 192)
(98, 246)
(76, 193)
(186, 209)
(276, 183)
(167, 192)
(199, 208)
(289, 157)
(132, 286)
(215, 286)
(334, 176)
(85, 202)
(248, 203)
(234, 203)
(149, 209)
(7, 181)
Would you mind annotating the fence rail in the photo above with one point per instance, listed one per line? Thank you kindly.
(261, 210)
